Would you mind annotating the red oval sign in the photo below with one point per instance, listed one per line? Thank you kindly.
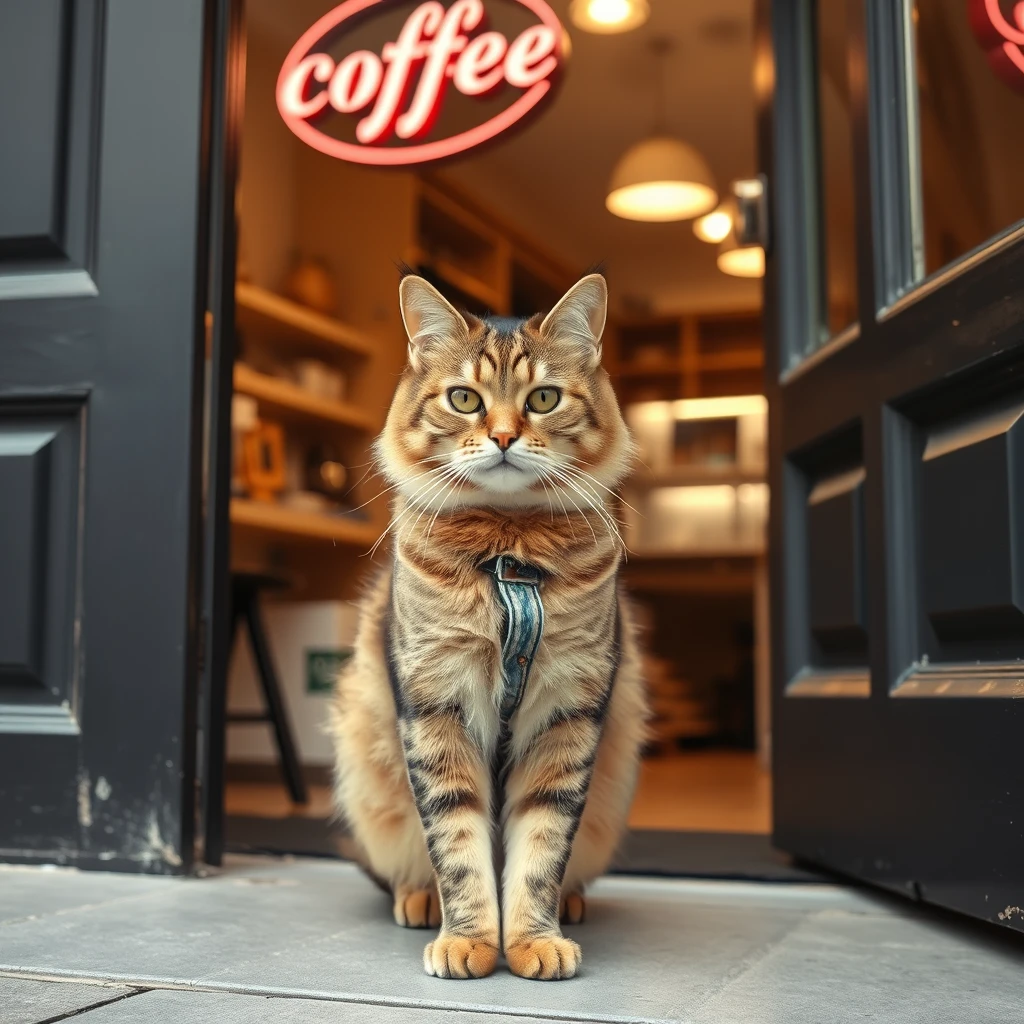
(448, 47)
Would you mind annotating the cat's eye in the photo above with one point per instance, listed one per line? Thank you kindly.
(464, 400)
(543, 399)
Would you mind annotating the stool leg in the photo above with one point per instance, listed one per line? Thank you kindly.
(275, 705)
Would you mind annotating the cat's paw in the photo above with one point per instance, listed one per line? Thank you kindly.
(455, 956)
(546, 958)
(417, 908)
(573, 909)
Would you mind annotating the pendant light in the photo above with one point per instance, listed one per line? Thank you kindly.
(741, 252)
(608, 16)
(661, 178)
(740, 260)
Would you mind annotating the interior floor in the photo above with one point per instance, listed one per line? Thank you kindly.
(706, 791)
(312, 941)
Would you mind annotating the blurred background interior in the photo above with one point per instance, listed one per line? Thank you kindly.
(507, 230)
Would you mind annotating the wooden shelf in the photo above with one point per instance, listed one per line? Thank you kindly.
(661, 368)
(655, 556)
(291, 401)
(749, 359)
(704, 362)
(297, 525)
(287, 321)
(460, 279)
(693, 476)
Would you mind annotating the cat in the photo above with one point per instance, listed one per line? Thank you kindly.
(504, 437)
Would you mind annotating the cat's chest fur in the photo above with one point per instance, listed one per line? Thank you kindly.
(451, 622)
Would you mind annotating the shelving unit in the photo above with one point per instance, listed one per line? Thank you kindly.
(288, 401)
(283, 523)
(312, 549)
(707, 354)
(477, 261)
(266, 314)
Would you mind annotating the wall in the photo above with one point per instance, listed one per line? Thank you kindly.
(268, 170)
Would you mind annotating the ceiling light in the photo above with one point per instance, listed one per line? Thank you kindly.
(607, 16)
(661, 179)
(741, 260)
(713, 226)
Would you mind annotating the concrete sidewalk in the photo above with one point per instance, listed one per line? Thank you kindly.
(312, 941)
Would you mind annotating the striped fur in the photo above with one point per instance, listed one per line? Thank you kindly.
(443, 798)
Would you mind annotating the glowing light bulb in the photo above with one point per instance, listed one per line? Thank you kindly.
(609, 12)
(609, 15)
(713, 227)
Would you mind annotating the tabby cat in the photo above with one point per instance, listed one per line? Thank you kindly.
(503, 438)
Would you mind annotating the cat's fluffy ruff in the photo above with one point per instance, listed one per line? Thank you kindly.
(425, 776)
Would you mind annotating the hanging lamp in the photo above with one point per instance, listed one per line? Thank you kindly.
(608, 16)
(740, 260)
(661, 178)
(741, 252)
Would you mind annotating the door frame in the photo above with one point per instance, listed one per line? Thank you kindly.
(227, 106)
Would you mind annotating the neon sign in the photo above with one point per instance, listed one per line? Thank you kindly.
(398, 94)
(1002, 39)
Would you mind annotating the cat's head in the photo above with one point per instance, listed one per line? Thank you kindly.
(504, 412)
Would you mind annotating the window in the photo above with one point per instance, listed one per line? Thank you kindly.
(970, 80)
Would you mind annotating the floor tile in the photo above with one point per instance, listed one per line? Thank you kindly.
(172, 1007)
(28, 1002)
(847, 968)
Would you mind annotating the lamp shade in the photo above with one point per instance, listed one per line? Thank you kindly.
(608, 16)
(740, 260)
(661, 179)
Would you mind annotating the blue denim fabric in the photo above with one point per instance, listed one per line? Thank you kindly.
(518, 587)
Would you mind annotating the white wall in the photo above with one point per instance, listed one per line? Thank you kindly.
(292, 630)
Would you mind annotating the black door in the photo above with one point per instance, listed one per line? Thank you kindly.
(101, 313)
(892, 138)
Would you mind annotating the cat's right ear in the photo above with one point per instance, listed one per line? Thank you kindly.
(431, 321)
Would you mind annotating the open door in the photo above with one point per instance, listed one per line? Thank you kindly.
(102, 279)
(895, 321)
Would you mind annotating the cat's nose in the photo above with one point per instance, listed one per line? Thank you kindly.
(503, 438)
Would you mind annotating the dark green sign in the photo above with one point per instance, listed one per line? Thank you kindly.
(322, 667)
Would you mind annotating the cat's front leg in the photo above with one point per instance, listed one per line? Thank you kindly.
(545, 796)
(452, 787)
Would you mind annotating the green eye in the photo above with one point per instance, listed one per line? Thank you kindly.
(543, 399)
(464, 400)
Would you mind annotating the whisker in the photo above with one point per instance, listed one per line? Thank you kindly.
(589, 500)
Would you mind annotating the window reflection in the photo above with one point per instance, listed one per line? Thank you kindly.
(836, 195)
(971, 123)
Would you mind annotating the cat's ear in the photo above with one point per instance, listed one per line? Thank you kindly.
(431, 321)
(579, 318)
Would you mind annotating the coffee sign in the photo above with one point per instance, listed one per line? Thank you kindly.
(395, 96)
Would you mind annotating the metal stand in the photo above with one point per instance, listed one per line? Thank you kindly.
(245, 604)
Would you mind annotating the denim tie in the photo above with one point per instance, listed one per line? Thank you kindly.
(518, 586)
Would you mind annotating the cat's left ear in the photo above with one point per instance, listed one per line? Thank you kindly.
(579, 318)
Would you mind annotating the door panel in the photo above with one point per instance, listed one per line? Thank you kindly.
(51, 62)
(40, 548)
(101, 299)
(895, 464)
